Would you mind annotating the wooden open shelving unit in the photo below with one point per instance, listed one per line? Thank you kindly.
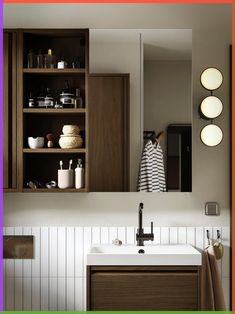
(103, 120)
(42, 164)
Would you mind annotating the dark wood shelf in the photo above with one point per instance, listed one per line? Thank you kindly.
(55, 71)
(53, 110)
(56, 190)
(54, 151)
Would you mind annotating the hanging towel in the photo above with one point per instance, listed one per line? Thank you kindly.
(212, 296)
(152, 174)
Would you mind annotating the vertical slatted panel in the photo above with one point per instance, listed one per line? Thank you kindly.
(122, 234)
(44, 269)
(9, 263)
(10, 304)
(44, 294)
(53, 253)
(54, 283)
(86, 246)
(61, 294)
(79, 294)
(95, 235)
(18, 262)
(53, 286)
(199, 238)
(9, 278)
(36, 294)
(18, 293)
(70, 294)
(112, 234)
(27, 280)
(182, 235)
(36, 262)
(78, 252)
(62, 251)
(27, 290)
(18, 277)
(70, 244)
(173, 235)
(191, 235)
(104, 233)
(157, 235)
(130, 235)
(165, 235)
(44, 252)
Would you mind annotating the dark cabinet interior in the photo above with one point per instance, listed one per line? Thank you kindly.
(102, 119)
(155, 288)
(179, 158)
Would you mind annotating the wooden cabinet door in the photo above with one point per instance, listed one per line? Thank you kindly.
(108, 106)
(151, 290)
(10, 110)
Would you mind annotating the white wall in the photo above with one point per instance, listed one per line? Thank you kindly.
(211, 29)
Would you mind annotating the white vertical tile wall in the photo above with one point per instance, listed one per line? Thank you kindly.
(56, 278)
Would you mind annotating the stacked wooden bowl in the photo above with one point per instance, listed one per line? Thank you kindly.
(70, 137)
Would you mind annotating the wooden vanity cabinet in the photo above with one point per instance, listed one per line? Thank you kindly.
(151, 288)
(10, 111)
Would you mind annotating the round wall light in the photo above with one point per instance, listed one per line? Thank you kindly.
(211, 78)
(211, 135)
(211, 107)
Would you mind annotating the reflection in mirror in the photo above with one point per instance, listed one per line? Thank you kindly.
(166, 162)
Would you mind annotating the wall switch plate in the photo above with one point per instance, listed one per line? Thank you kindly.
(212, 209)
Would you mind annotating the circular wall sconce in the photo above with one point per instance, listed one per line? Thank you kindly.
(211, 79)
(211, 135)
(211, 107)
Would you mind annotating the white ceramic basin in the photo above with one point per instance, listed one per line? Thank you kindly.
(153, 255)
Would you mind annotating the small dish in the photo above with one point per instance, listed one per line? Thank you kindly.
(37, 142)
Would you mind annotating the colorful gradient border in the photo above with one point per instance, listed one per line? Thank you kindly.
(232, 127)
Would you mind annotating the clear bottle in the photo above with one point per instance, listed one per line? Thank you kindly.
(78, 102)
(31, 59)
(49, 60)
(79, 175)
(39, 59)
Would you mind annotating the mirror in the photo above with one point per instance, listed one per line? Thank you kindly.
(167, 116)
(159, 62)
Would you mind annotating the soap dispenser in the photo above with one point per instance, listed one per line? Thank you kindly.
(79, 175)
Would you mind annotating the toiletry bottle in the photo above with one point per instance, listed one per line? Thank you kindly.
(39, 59)
(31, 100)
(78, 102)
(31, 59)
(79, 175)
(49, 60)
(62, 64)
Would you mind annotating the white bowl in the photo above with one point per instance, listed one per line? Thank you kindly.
(37, 142)
(70, 129)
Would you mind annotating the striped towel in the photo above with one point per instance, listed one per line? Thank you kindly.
(152, 174)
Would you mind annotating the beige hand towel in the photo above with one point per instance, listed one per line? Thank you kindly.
(212, 296)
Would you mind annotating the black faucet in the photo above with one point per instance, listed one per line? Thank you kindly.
(140, 235)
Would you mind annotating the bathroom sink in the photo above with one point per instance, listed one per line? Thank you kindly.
(144, 255)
